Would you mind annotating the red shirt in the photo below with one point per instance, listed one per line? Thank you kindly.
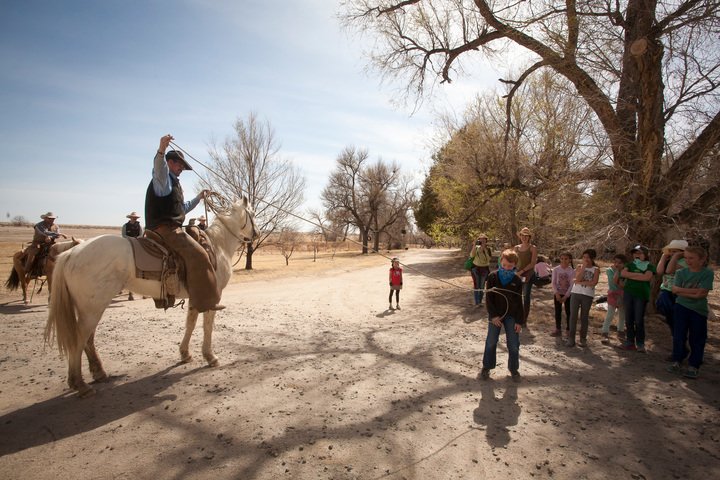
(396, 276)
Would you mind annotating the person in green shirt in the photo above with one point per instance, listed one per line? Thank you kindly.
(637, 274)
(691, 285)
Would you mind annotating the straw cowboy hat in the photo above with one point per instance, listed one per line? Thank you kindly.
(50, 215)
(482, 235)
(132, 215)
(525, 231)
(675, 245)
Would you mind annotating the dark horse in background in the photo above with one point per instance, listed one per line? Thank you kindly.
(42, 266)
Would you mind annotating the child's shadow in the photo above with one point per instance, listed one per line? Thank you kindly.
(497, 414)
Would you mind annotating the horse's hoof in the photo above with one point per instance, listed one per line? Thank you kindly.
(186, 358)
(102, 377)
(214, 362)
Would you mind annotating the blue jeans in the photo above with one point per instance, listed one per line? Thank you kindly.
(635, 319)
(692, 327)
(479, 276)
(526, 289)
(513, 345)
(665, 305)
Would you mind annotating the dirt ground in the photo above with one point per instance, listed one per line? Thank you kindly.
(318, 380)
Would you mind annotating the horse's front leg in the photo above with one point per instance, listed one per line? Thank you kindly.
(190, 322)
(208, 324)
(96, 368)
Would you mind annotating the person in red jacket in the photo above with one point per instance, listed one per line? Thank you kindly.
(396, 282)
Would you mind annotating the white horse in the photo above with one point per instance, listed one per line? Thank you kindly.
(87, 278)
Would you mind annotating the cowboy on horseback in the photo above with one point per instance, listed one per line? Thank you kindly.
(45, 234)
(165, 209)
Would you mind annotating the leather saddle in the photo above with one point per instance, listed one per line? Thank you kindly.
(154, 260)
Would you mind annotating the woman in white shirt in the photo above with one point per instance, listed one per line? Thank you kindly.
(587, 274)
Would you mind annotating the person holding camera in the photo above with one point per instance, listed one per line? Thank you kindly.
(481, 255)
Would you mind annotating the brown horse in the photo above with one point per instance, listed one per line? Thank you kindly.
(19, 278)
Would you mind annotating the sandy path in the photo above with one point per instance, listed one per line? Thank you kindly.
(319, 380)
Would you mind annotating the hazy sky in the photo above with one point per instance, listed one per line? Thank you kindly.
(87, 88)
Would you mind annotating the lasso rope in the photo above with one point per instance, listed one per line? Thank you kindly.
(220, 205)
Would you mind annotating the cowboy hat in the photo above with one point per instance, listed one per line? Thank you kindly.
(675, 245)
(132, 215)
(178, 157)
(482, 235)
(48, 215)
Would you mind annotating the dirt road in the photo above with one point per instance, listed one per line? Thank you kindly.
(319, 380)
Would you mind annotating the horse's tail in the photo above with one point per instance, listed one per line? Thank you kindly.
(13, 281)
(62, 320)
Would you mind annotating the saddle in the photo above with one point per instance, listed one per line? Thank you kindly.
(154, 260)
(37, 269)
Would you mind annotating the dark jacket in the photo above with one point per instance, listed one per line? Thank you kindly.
(166, 210)
(132, 229)
(497, 302)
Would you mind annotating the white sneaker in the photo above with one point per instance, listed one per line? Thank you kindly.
(390, 307)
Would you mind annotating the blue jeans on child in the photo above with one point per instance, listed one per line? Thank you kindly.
(479, 275)
(527, 288)
(635, 319)
(689, 326)
(513, 345)
(665, 305)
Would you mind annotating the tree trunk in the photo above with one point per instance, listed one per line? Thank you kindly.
(248, 256)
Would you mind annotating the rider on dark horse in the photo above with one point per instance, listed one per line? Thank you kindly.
(45, 234)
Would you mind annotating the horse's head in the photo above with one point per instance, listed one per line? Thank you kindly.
(240, 220)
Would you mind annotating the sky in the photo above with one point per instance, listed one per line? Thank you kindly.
(87, 88)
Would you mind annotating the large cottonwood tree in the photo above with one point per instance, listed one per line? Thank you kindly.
(648, 69)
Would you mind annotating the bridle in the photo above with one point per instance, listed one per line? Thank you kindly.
(220, 206)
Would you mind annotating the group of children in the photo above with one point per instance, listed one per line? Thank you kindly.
(686, 282)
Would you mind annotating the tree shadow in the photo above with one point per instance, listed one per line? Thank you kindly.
(66, 415)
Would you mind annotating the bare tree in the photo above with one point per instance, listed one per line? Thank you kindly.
(369, 196)
(250, 164)
(289, 239)
(648, 69)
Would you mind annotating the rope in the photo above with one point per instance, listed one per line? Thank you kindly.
(219, 204)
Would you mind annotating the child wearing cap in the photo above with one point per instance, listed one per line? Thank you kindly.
(396, 282)
(637, 274)
(670, 262)
(691, 285)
